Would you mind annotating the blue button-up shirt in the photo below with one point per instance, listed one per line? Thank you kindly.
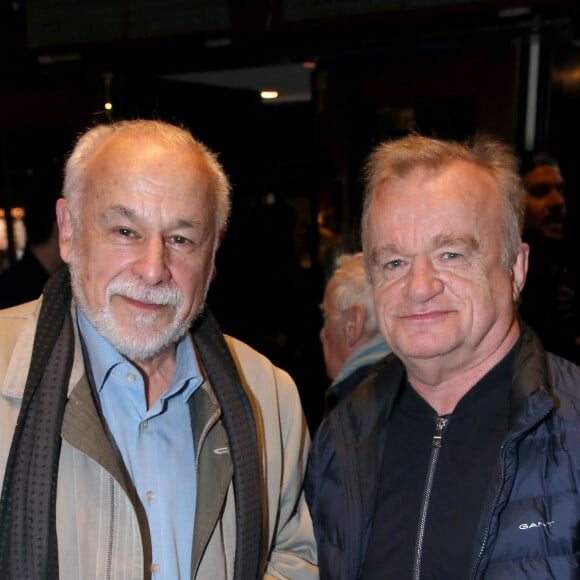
(156, 445)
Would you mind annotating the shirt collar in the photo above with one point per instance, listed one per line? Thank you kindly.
(368, 354)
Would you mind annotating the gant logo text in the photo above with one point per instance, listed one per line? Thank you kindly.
(535, 525)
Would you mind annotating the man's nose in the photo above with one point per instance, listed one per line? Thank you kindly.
(556, 196)
(423, 281)
(151, 264)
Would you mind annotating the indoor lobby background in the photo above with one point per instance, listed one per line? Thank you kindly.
(348, 73)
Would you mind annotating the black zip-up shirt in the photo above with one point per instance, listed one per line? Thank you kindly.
(436, 493)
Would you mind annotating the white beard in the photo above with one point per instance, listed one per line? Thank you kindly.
(142, 341)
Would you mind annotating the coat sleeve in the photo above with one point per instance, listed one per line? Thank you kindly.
(322, 492)
(284, 443)
(293, 553)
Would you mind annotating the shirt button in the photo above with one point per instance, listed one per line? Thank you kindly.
(144, 424)
(149, 496)
(155, 568)
(131, 377)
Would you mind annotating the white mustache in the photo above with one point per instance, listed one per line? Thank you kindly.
(161, 295)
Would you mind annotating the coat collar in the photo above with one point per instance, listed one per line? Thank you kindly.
(17, 370)
(531, 394)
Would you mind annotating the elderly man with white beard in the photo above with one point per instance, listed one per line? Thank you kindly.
(136, 440)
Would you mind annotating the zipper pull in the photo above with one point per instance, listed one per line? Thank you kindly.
(439, 428)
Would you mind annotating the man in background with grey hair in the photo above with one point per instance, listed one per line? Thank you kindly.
(351, 342)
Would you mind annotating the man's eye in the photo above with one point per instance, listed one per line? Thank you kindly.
(392, 264)
(450, 255)
(124, 232)
(179, 240)
(542, 189)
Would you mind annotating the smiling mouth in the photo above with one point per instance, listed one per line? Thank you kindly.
(143, 305)
(425, 316)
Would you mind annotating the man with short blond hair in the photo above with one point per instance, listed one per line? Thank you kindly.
(460, 458)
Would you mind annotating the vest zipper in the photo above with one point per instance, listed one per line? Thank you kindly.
(440, 425)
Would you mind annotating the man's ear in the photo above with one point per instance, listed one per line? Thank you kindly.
(520, 271)
(65, 229)
(355, 324)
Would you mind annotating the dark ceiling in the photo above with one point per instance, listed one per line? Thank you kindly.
(41, 38)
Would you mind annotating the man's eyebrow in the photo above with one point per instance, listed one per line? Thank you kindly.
(438, 242)
(442, 240)
(376, 253)
(183, 223)
(128, 213)
(122, 211)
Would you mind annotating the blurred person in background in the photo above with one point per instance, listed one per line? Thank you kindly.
(351, 342)
(548, 300)
(24, 280)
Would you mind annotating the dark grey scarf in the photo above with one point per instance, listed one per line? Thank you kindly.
(28, 543)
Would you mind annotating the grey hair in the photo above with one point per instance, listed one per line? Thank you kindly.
(398, 158)
(352, 287)
(75, 174)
